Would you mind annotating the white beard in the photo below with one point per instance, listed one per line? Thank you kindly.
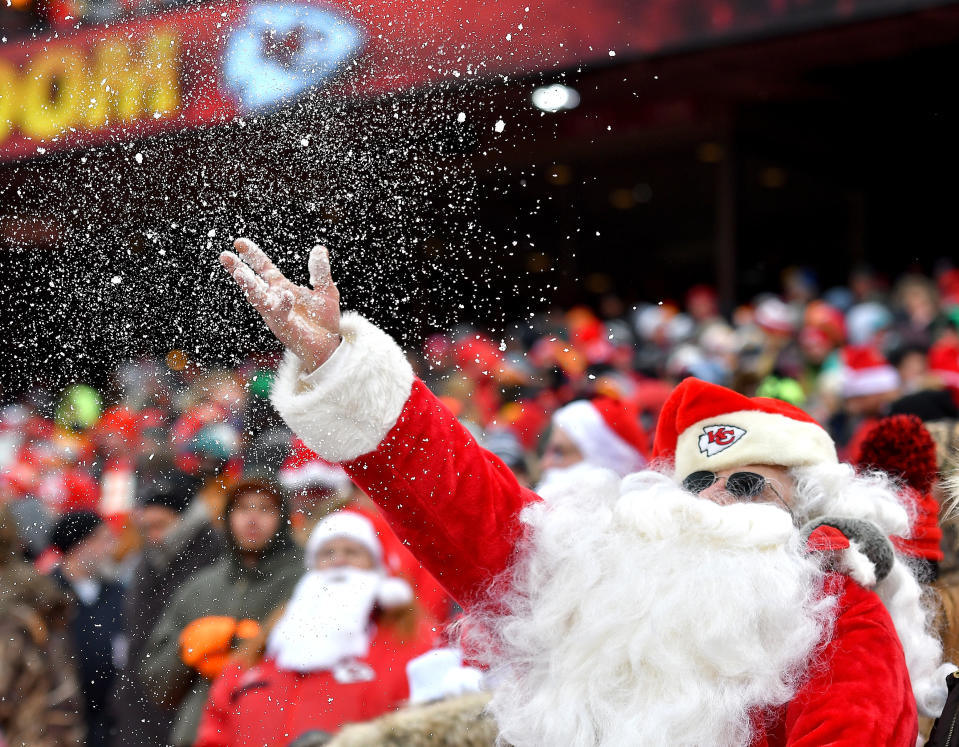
(326, 621)
(643, 615)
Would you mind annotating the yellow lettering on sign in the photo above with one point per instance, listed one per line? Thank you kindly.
(111, 83)
(52, 93)
(125, 87)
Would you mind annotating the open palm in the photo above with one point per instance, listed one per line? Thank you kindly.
(305, 320)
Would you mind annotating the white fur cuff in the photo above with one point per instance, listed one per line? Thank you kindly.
(348, 405)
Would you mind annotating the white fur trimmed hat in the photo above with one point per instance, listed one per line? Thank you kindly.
(865, 371)
(707, 427)
(348, 524)
(606, 433)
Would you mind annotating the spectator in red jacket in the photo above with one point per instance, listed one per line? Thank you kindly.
(336, 654)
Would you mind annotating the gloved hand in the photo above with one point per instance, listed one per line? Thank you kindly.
(206, 643)
(856, 547)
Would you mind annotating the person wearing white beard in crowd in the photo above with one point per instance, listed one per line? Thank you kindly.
(745, 593)
(336, 653)
(592, 434)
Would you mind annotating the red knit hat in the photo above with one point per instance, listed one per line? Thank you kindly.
(901, 446)
(303, 468)
(607, 433)
(708, 427)
(866, 371)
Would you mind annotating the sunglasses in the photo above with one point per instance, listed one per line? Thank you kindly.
(738, 484)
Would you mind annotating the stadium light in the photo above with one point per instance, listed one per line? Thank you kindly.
(555, 97)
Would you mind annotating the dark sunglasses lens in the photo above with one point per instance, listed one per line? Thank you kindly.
(697, 482)
(745, 484)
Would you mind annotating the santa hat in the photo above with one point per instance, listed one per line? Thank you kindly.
(944, 363)
(866, 371)
(344, 524)
(901, 446)
(303, 468)
(606, 432)
(704, 426)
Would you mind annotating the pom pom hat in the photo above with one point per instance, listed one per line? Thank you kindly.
(901, 446)
(704, 426)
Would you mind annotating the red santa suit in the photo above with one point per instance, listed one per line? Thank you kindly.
(332, 658)
(269, 705)
(458, 506)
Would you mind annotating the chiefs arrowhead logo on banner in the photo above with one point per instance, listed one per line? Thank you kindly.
(284, 49)
(717, 438)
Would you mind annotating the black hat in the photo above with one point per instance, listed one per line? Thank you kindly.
(72, 528)
(173, 490)
(928, 404)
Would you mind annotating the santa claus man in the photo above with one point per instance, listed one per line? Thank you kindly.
(746, 594)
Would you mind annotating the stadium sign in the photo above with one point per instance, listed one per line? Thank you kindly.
(157, 74)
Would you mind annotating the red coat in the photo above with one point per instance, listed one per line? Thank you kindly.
(269, 706)
(457, 506)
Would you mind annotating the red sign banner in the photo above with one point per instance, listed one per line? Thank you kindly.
(194, 67)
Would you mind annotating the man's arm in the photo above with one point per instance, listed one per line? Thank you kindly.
(455, 504)
(348, 391)
(861, 693)
(162, 671)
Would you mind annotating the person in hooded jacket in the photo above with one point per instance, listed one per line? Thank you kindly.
(224, 603)
(40, 700)
(180, 541)
(337, 653)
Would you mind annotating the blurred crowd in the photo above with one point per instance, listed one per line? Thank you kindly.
(178, 569)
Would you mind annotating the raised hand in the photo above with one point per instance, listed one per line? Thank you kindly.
(305, 320)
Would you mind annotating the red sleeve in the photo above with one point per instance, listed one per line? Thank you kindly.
(215, 729)
(455, 504)
(861, 694)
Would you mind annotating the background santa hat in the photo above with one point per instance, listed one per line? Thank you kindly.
(865, 372)
(607, 434)
(303, 469)
(704, 426)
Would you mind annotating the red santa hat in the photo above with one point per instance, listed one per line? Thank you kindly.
(944, 363)
(704, 426)
(606, 432)
(303, 468)
(901, 446)
(866, 371)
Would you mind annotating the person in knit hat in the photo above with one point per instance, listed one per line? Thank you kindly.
(901, 446)
(179, 542)
(590, 434)
(745, 592)
(85, 544)
(335, 654)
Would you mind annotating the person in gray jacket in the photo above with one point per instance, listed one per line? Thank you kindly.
(194, 638)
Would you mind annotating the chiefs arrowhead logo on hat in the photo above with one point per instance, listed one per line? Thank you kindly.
(717, 438)
(700, 421)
